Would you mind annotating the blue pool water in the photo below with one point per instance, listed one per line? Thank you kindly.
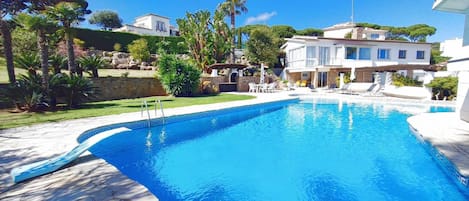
(308, 150)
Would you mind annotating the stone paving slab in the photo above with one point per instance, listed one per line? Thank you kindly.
(446, 132)
(89, 177)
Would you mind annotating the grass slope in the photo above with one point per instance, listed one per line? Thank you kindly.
(10, 120)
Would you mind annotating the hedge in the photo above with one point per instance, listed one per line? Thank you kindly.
(105, 40)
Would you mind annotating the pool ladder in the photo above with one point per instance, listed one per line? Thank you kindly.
(144, 106)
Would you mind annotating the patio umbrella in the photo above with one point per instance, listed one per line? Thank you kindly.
(261, 81)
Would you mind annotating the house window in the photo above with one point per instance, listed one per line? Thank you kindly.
(310, 55)
(383, 53)
(420, 54)
(374, 36)
(402, 54)
(160, 26)
(351, 53)
(364, 54)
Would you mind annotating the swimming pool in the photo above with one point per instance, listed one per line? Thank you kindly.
(306, 150)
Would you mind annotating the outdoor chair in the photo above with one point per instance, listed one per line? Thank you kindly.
(252, 87)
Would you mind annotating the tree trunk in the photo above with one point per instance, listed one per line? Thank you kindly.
(232, 54)
(44, 54)
(7, 48)
(70, 52)
(95, 73)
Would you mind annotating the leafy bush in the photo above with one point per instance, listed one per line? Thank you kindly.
(346, 79)
(105, 40)
(208, 88)
(77, 90)
(27, 92)
(178, 77)
(91, 64)
(444, 87)
(57, 62)
(29, 62)
(400, 80)
(117, 47)
(139, 50)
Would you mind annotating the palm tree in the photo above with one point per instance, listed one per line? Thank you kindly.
(9, 7)
(92, 63)
(41, 25)
(233, 8)
(67, 14)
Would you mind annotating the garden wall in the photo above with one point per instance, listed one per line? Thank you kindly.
(112, 88)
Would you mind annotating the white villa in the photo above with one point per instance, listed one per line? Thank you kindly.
(320, 60)
(150, 24)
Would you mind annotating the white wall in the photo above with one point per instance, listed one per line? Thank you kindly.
(462, 100)
(451, 48)
(340, 33)
(147, 25)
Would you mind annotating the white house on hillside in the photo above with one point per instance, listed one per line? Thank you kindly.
(320, 60)
(150, 24)
(451, 48)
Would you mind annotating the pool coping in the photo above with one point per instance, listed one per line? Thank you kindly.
(447, 135)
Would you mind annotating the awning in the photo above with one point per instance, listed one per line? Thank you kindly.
(225, 66)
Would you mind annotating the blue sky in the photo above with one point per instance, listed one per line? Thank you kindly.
(300, 14)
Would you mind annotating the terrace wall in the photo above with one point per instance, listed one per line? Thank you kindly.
(112, 88)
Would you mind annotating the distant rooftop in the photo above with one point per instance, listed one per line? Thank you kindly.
(340, 26)
(151, 14)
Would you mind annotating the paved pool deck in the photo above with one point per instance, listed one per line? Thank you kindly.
(91, 178)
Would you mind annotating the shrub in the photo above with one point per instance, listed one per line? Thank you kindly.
(208, 88)
(27, 92)
(400, 80)
(346, 79)
(91, 64)
(117, 47)
(77, 90)
(139, 50)
(444, 87)
(178, 77)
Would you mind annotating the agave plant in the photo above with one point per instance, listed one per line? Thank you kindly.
(27, 92)
(91, 63)
(57, 62)
(77, 89)
(30, 62)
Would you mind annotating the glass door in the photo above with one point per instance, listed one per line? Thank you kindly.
(322, 79)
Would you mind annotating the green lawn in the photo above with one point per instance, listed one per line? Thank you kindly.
(10, 120)
(101, 72)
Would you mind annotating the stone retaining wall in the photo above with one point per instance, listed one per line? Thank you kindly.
(112, 88)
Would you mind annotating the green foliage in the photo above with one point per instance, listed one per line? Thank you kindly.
(178, 77)
(346, 79)
(435, 57)
(262, 46)
(310, 32)
(283, 31)
(139, 50)
(57, 62)
(91, 64)
(217, 42)
(419, 32)
(105, 40)
(106, 19)
(77, 90)
(348, 35)
(117, 47)
(369, 25)
(30, 62)
(400, 80)
(24, 42)
(444, 87)
(195, 31)
(27, 92)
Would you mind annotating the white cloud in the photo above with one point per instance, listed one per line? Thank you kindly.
(263, 17)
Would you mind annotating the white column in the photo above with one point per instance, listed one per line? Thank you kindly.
(341, 80)
(262, 74)
(465, 41)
